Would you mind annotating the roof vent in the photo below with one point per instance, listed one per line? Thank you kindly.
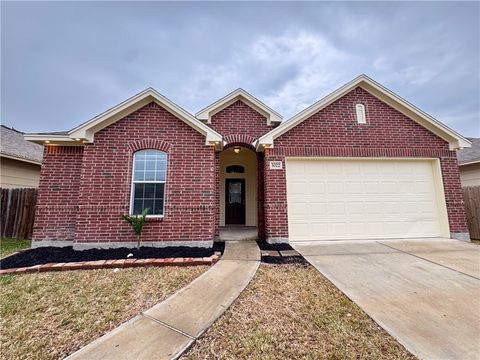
(360, 111)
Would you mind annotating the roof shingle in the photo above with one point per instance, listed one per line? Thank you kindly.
(471, 154)
(13, 144)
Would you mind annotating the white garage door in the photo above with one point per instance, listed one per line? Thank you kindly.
(364, 199)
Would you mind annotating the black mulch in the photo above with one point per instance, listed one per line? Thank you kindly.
(263, 245)
(280, 260)
(45, 255)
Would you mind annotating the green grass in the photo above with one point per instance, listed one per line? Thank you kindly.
(47, 316)
(293, 312)
(9, 246)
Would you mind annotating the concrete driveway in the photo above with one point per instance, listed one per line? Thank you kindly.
(425, 293)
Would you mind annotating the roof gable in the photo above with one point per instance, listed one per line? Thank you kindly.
(86, 131)
(454, 139)
(271, 115)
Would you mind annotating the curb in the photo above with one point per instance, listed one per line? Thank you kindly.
(111, 264)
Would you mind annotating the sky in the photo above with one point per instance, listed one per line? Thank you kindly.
(64, 62)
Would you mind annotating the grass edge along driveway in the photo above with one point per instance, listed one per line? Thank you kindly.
(293, 312)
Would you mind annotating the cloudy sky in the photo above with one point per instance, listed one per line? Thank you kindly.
(64, 62)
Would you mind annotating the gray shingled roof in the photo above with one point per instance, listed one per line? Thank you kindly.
(471, 154)
(13, 144)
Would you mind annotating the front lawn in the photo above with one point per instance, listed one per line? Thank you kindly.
(293, 312)
(9, 246)
(50, 315)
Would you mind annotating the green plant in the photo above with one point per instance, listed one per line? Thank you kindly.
(137, 222)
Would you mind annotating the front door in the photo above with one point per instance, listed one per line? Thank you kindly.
(234, 201)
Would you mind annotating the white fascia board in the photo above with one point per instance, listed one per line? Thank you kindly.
(88, 129)
(455, 140)
(42, 139)
(206, 114)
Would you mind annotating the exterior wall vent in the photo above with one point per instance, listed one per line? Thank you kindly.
(360, 111)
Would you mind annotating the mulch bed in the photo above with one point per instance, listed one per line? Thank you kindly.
(46, 255)
(280, 254)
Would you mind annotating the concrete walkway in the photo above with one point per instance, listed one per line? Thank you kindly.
(169, 328)
(425, 293)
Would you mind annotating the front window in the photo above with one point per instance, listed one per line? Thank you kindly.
(148, 182)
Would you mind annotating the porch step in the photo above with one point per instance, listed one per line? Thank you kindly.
(235, 233)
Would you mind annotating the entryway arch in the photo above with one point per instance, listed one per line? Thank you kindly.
(238, 185)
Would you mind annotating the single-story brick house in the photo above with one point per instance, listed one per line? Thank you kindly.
(361, 163)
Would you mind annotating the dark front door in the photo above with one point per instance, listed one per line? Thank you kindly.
(234, 201)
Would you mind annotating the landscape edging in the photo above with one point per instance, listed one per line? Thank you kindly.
(112, 264)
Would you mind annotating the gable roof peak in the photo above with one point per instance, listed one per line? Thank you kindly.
(85, 132)
(273, 117)
(455, 140)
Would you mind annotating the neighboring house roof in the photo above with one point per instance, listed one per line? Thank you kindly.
(14, 146)
(470, 155)
(455, 140)
(273, 117)
(86, 131)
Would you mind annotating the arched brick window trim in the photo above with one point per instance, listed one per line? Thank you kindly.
(145, 144)
(149, 144)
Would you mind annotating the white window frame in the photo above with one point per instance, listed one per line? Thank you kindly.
(133, 182)
(360, 107)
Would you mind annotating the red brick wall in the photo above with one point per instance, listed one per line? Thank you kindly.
(106, 180)
(57, 201)
(240, 119)
(241, 125)
(334, 131)
(260, 195)
(106, 172)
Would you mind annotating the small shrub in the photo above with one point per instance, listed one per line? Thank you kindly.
(137, 223)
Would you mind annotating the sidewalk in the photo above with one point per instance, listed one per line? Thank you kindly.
(166, 330)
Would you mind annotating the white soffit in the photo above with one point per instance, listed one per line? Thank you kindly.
(455, 140)
(85, 132)
(273, 117)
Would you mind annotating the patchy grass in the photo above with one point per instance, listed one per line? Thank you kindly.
(475, 241)
(9, 246)
(293, 312)
(50, 315)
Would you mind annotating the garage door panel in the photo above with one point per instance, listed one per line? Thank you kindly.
(316, 187)
(298, 188)
(357, 199)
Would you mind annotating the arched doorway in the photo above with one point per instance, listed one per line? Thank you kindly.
(238, 187)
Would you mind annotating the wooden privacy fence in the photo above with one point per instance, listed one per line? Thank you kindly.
(471, 196)
(17, 212)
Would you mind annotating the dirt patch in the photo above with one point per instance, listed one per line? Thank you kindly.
(293, 312)
(45, 255)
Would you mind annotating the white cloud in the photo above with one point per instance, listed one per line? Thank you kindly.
(308, 59)
(313, 57)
